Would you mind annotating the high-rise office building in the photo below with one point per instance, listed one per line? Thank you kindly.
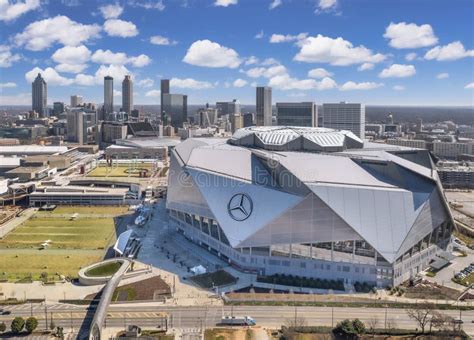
(264, 106)
(174, 109)
(164, 89)
(297, 114)
(228, 108)
(207, 117)
(127, 94)
(58, 108)
(76, 127)
(108, 96)
(76, 101)
(39, 94)
(345, 116)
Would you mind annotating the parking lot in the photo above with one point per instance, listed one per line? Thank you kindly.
(444, 276)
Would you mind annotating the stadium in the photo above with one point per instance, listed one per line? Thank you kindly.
(310, 202)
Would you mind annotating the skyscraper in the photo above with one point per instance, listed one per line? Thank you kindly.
(39, 93)
(264, 106)
(175, 108)
(228, 108)
(297, 114)
(108, 95)
(76, 100)
(127, 95)
(165, 89)
(345, 116)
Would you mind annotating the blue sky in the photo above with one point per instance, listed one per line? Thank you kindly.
(403, 52)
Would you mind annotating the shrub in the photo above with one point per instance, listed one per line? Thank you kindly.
(17, 324)
(31, 324)
(359, 327)
(3, 327)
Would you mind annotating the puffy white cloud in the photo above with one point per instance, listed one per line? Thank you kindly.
(274, 4)
(452, 51)
(270, 61)
(10, 10)
(140, 61)
(72, 55)
(403, 35)
(339, 52)
(239, 82)
(49, 74)
(7, 58)
(40, 35)
(350, 85)
(160, 40)
(285, 82)
(147, 82)
(225, 3)
(118, 72)
(443, 75)
(7, 85)
(85, 80)
(251, 60)
(153, 93)
(108, 57)
(410, 56)
(365, 67)
(151, 4)
(266, 72)
(281, 38)
(319, 73)
(327, 4)
(469, 86)
(210, 54)
(117, 93)
(259, 35)
(189, 83)
(70, 68)
(398, 88)
(112, 11)
(120, 28)
(398, 71)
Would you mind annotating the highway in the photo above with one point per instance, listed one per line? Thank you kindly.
(191, 317)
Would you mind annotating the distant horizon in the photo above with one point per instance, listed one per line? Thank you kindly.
(2, 106)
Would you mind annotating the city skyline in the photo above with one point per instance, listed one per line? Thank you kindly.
(390, 53)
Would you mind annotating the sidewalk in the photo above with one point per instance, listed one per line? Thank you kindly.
(16, 221)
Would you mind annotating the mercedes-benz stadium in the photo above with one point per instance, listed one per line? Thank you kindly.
(310, 202)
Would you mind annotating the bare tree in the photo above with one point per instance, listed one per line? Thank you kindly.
(372, 324)
(391, 324)
(440, 321)
(422, 314)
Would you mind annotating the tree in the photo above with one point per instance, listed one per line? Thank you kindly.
(373, 323)
(3, 327)
(358, 326)
(422, 314)
(31, 324)
(440, 321)
(344, 328)
(17, 324)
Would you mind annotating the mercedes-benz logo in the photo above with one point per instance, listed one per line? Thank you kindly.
(240, 207)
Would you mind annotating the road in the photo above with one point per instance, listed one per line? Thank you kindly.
(181, 317)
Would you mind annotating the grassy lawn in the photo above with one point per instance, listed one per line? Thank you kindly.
(73, 243)
(106, 269)
(120, 171)
(19, 265)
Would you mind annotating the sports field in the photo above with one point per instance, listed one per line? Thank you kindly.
(122, 170)
(75, 237)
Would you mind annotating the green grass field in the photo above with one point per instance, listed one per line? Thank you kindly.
(120, 171)
(74, 243)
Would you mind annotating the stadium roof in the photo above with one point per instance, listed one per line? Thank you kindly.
(296, 138)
